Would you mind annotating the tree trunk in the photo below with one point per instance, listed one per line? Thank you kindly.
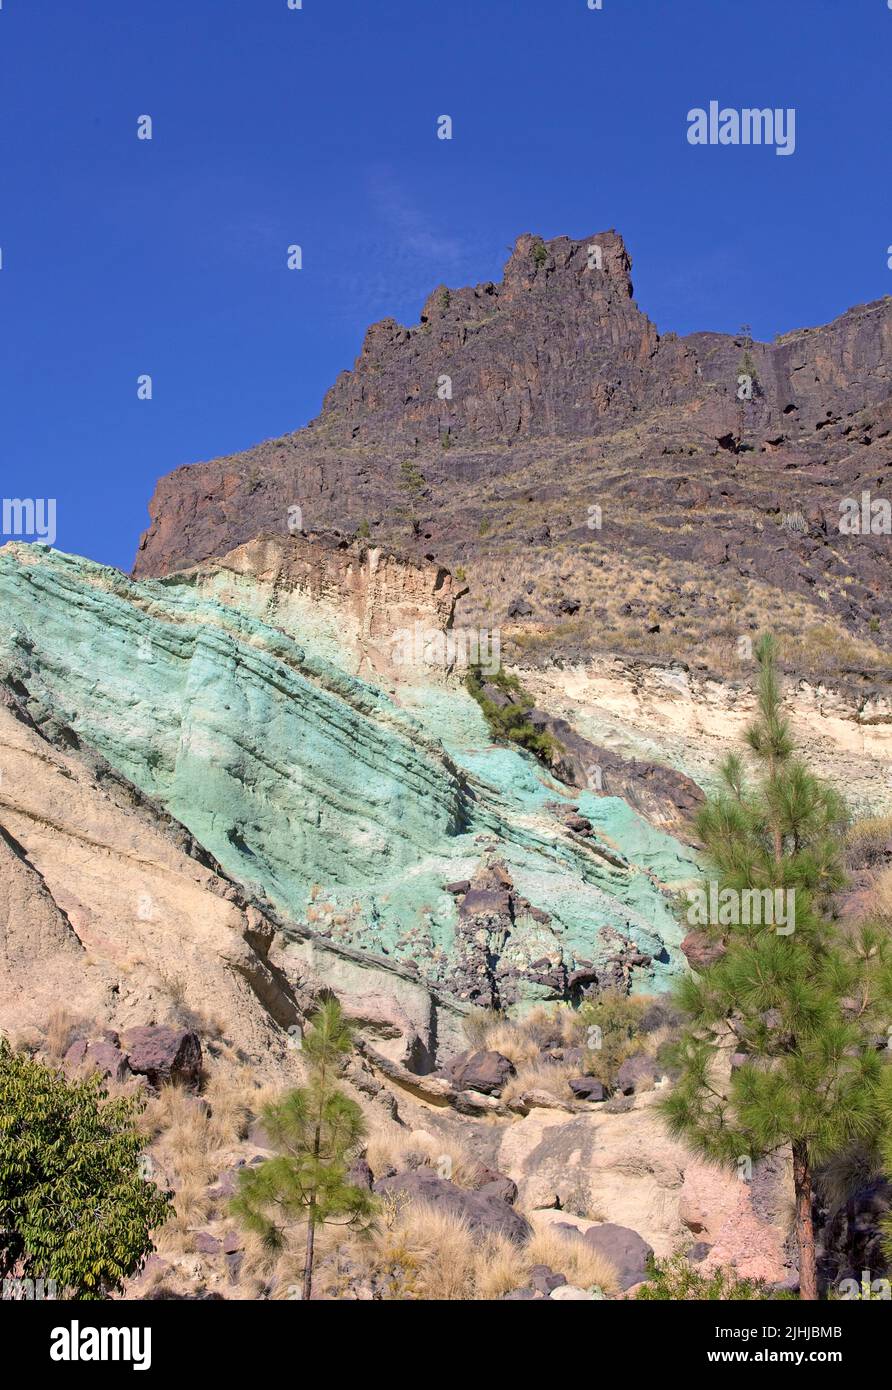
(805, 1226)
(308, 1261)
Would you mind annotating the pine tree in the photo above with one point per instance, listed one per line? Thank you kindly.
(807, 1003)
(316, 1129)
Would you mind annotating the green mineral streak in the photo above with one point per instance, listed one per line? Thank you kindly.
(314, 787)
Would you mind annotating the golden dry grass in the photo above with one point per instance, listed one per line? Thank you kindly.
(867, 839)
(62, 1028)
(392, 1147)
(579, 1262)
(192, 1140)
(434, 1256)
(541, 1076)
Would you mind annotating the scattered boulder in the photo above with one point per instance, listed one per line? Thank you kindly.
(164, 1054)
(206, 1244)
(495, 1184)
(104, 1057)
(587, 1088)
(570, 1293)
(484, 1213)
(486, 1072)
(700, 951)
(476, 1103)
(636, 1074)
(625, 1250)
(544, 1279)
(543, 1100)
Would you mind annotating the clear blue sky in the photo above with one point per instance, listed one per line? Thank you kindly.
(317, 126)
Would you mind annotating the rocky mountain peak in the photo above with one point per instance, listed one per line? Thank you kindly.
(524, 356)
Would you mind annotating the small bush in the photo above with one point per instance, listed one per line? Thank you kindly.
(616, 1017)
(676, 1281)
(510, 723)
(74, 1207)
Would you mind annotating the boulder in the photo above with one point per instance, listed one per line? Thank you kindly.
(104, 1057)
(163, 1054)
(544, 1100)
(206, 1244)
(504, 1188)
(544, 1279)
(571, 1294)
(476, 1103)
(587, 1088)
(625, 1250)
(495, 1184)
(700, 951)
(636, 1074)
(486, 1072)
(484, 1213)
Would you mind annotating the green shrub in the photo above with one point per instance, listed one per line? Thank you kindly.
(412, 480)
(676, 1281)
(616, 1017)
(510, 723)
(74, 1208)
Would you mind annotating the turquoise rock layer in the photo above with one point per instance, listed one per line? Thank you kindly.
(345, 807)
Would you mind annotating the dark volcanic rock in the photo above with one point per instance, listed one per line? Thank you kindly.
(700, 952)
(660, 793)
(625, 1250)
(480, 1071)
(485, 1214)
(636, 1074)
(163, 1054)
(587, 1088)
(563, 390)
(103, 1057)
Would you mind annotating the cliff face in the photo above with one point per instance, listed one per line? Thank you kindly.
(226, 694)
(540, 434)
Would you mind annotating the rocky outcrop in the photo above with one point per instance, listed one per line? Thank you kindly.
(541, 434)
(335, 804)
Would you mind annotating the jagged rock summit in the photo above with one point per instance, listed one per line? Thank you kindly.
(540, 436)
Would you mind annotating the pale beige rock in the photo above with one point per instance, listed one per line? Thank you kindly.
(103, 914)
(745, 1222)
(647, 711)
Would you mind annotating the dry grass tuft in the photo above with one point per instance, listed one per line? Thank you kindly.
(541, 1076)
(568, 1255)
(434, 1255)
(867, 840)
(62, 1029)
(391, 1147)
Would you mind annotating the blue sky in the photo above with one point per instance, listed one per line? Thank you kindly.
(274, 126)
